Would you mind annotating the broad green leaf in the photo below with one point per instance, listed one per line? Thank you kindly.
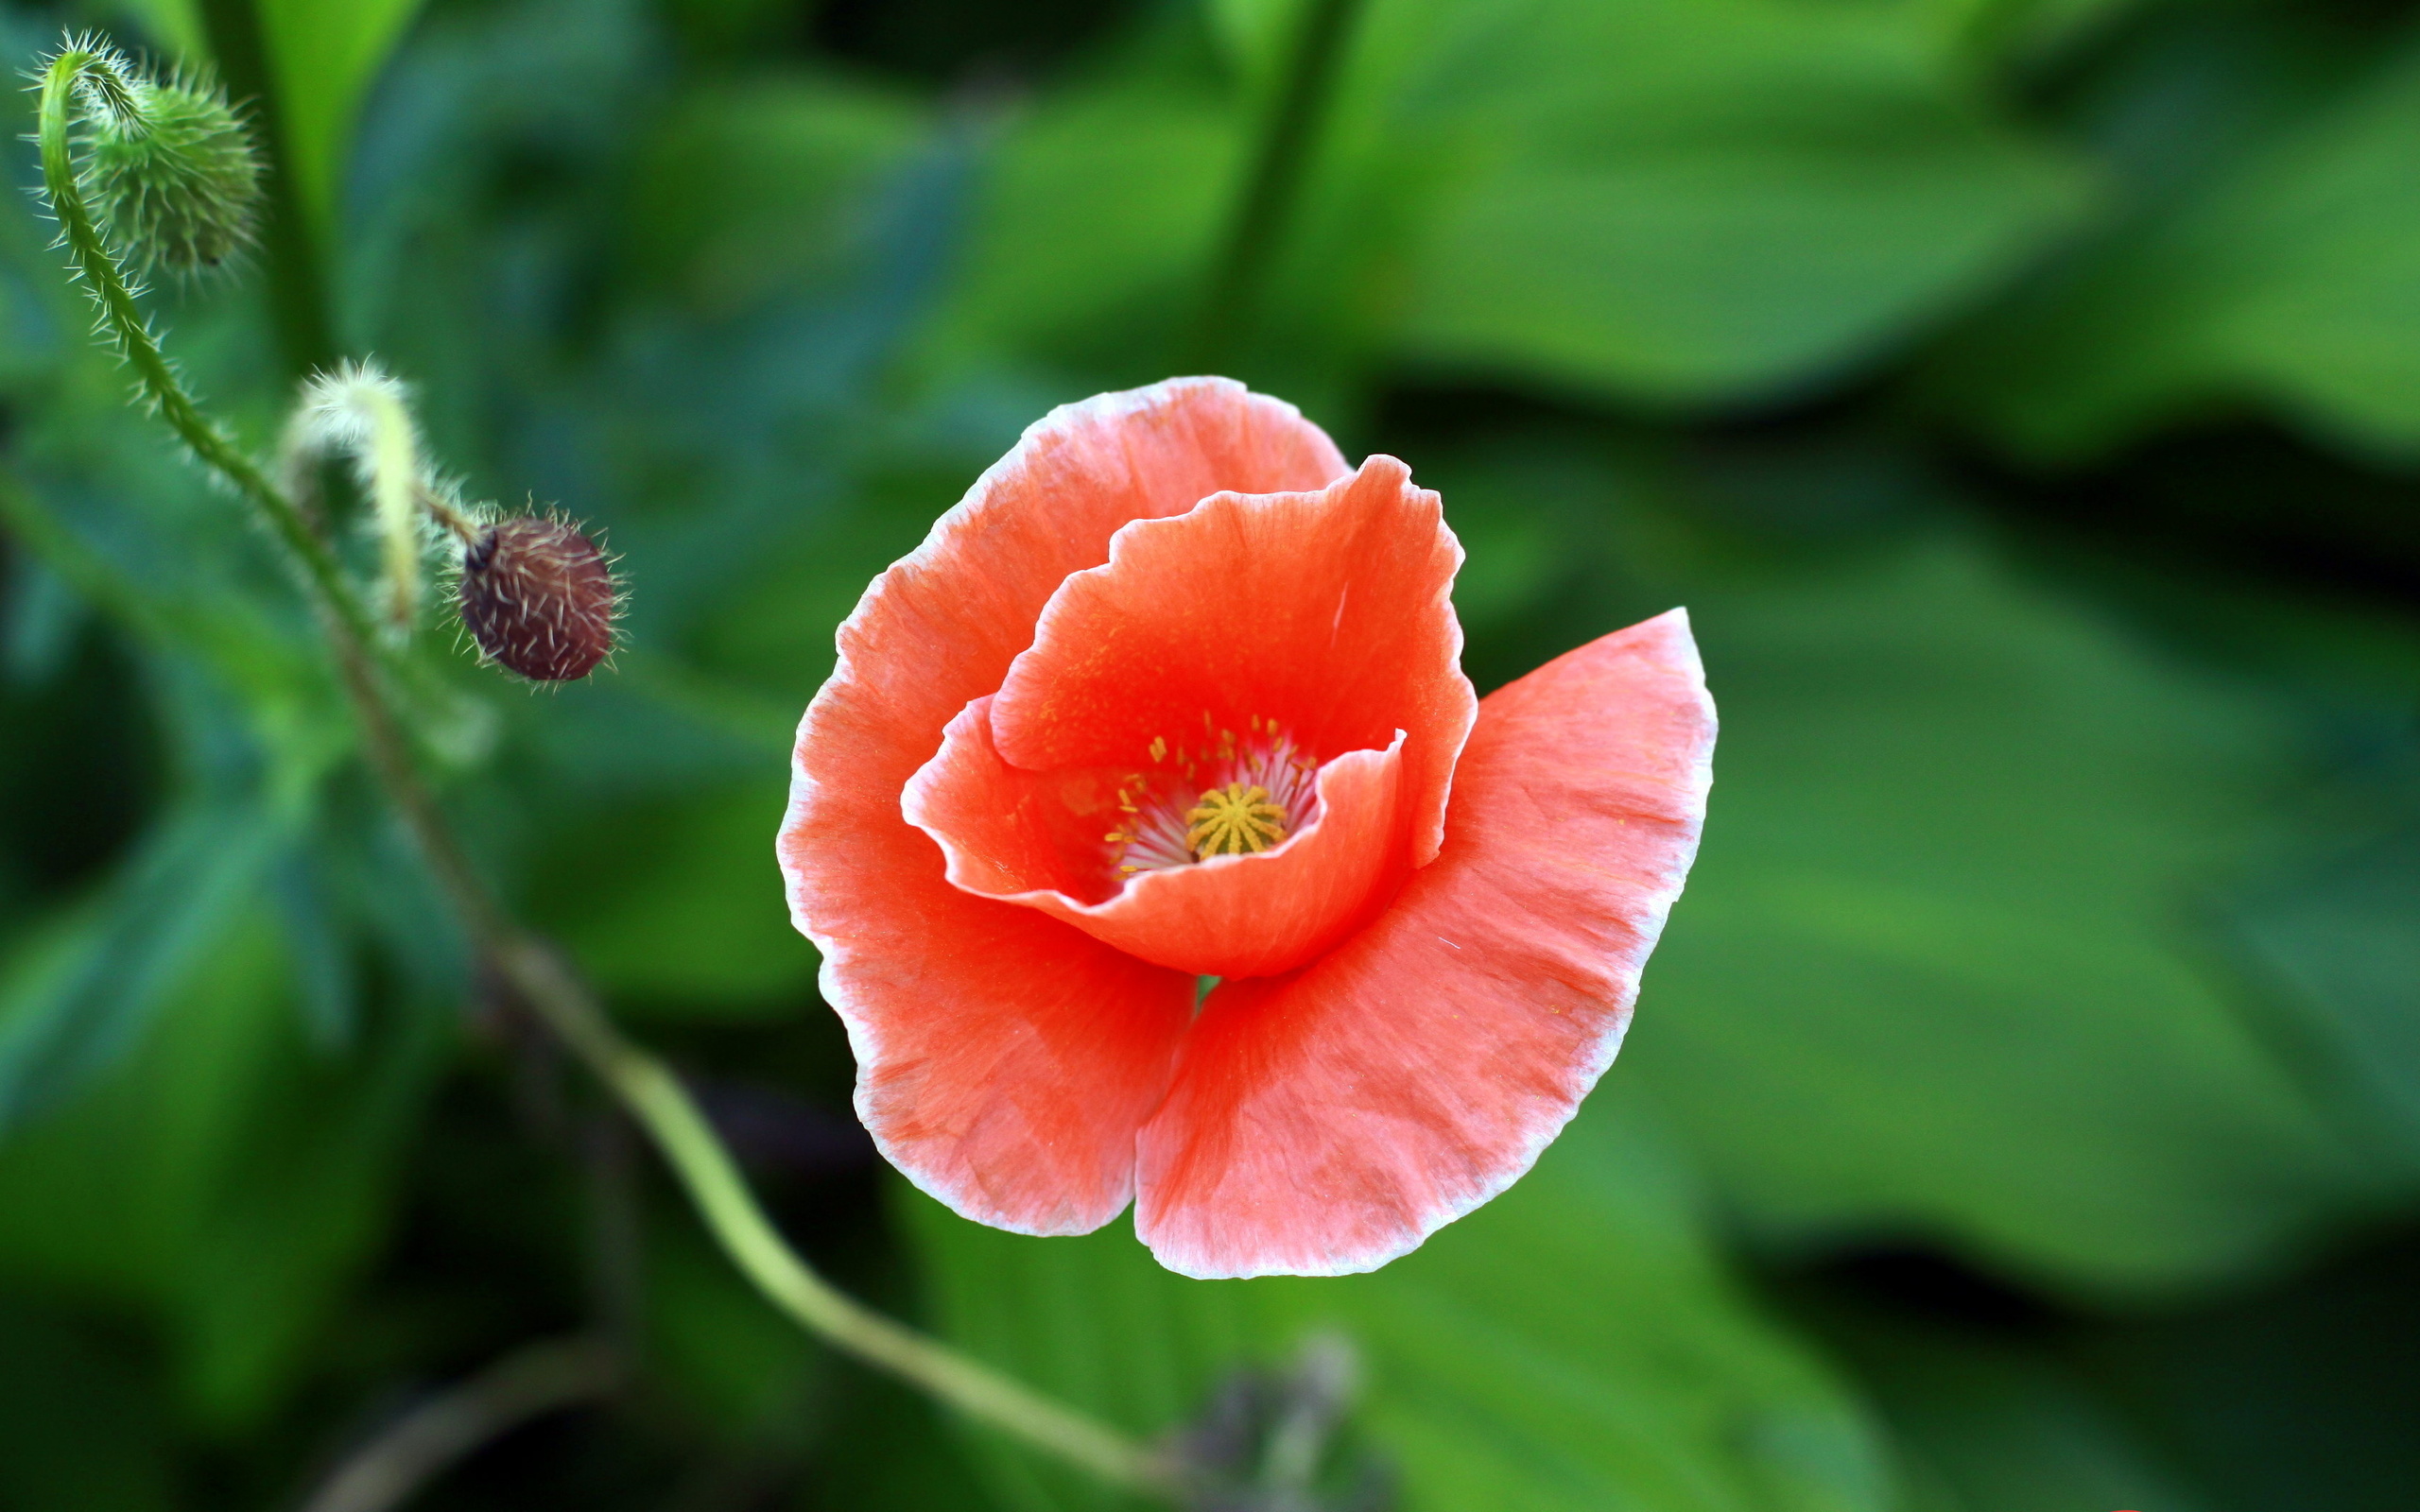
(223, 1181)
(1093, 225)
(2285, 281)
(182, 585)
(1936, 967)
(176, 24)
(2023, 32)
(676, 907)
(751, 1374)
(1680, 200)
(745, 194)
(1685, 200)
(1258, 31)
(323, 56)
(2339, 937)
(1992, 1425)
(1949, 966)
(81, 1428)
(2297, 1399)
(1574, 1344)
(84, 994)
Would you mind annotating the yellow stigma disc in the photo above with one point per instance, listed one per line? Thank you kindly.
(1234, 820)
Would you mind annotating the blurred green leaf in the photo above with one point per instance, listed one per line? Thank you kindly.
(1574, 1344)
(316, 941)
(1987, 1424)
(1666, 199)
(183, 590)
(1685, 200)
(1093, 224)
(176, 24)
(745, 194)
(1950, 964)
(223, 1181)
(676, 906)
(85, 993)
(44, 616)
(2296, 1398)
(748, 1373)
(81, 1428)
(324, 55)
(2025, 32)
(2340, 936)
(1944, 914)
(2285, 279)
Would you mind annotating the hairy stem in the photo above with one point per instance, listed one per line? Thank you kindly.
(1278, 169)
(664, 1108)
(122, 322)
(645, 1086)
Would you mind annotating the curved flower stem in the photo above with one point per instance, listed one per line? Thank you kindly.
(1276, 181)
(671, 1118)
(645, 1086)
(122, 320)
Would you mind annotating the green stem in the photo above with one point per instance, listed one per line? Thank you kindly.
(1278, 170)
(704, 1166)
(132, 334)
(646, 1086)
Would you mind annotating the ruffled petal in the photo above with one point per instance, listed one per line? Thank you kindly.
(1329, 1121)
(1004, 1058)
(1330, 612)
(1010, 834)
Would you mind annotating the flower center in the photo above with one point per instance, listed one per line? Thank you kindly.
(1234, 820)
(1226, 795)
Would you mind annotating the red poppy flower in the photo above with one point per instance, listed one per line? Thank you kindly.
(1174, 694)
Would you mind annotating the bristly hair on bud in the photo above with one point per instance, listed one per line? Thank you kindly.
(360, 411)
(539, 597)
(171, 166)
(106, 83)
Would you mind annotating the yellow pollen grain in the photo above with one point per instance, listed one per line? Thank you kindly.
(1159, 748)
(1234, 820)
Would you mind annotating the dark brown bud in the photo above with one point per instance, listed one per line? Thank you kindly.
(539, 597)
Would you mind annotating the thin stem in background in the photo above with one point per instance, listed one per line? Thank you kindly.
(424, 1443)
(298, 289)
(1278, 168)
(646, 1086)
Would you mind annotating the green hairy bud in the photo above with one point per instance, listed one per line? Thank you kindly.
(172, 169)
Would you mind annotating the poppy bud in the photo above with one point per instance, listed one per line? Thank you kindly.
(173, 170)
(539, 597)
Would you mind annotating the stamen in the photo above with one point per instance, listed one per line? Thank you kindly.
(1223, 797)
(1234, 820)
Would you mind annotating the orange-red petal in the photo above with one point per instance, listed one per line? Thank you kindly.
(1005, 1059)
(1330, 612)
(1006, 832)
(1328, 1120)
(1325, 613)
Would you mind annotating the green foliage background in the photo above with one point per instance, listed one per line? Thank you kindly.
(2022, 1114)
